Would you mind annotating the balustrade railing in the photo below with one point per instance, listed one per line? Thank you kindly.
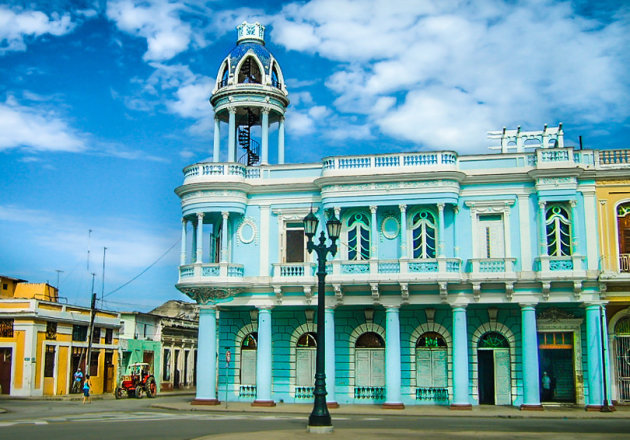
(432, 394)
(614, 157)
(247, 391)
(211, 270)
(292, 270)
(304, 392)
(391, 160)
(374, 393)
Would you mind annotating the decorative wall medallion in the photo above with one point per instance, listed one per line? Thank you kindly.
(247, 231)
(390, 227)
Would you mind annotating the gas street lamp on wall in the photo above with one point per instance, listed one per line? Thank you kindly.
(319, 420)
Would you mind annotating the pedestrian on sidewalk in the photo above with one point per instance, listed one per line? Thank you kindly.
(546, 387)
(78, 378)
(87, 386)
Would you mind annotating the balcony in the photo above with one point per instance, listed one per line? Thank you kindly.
(210, 271)
(624, 263)
(499, 269)
(565, 267)
(403, 270)
(293, 272)
(388, 163)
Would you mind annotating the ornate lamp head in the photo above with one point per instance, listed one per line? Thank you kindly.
(310, 224)
(333, 226)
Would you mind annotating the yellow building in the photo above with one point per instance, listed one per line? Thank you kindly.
(42, 342)
(613, 194)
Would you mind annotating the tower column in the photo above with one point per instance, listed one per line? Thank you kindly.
(393, 398)
(460, 359)
(182, 259)
(206, 358)
(199, 237)
(543, 228)
(232, 135)
(217, 139)
(281, 140)
(574, 228)
(263, 359)
(531, 387)
(374, 235)
(329, 329)
(265, 137)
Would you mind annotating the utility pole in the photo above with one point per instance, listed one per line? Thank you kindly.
(91, 328)
(103, 283)
(58, 272)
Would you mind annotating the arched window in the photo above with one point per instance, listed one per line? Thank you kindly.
(424, 236)
(622, 328)
(493, 340)
(431, 361)
(248, 359)
(358, 236)
(305, 357)
(370, 360)
(558, 227)
(275, 81)
(249, 72)
(623, 228)
(622, 358)
(225, 75)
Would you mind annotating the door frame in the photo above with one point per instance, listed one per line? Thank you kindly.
(11, 346)
(568, 325)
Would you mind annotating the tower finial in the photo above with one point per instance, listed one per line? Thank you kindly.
(248, 31)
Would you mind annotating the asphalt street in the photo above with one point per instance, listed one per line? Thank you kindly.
(137, 419)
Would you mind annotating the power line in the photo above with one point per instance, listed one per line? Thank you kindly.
(143, 272)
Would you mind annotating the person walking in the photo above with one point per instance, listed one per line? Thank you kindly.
(546, 387)
(87, 387)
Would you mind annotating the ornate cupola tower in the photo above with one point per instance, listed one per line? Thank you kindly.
(249, 96)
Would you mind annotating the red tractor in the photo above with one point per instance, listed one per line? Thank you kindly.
(138, 383)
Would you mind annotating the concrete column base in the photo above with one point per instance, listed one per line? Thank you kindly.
(461, 406)
(593, 408)
(205, 402)
(332, 405)
(319, 429)
(538, 407)
(393, 406)
(266, 403)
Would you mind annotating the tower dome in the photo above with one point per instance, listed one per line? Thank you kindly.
(249, 95)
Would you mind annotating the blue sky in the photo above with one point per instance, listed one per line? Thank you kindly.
(102, 103)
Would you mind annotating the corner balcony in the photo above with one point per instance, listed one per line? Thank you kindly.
(289, 273)
(428, 270)
(560, 268)
(212, 272)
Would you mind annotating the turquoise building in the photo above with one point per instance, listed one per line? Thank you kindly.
(460, 279)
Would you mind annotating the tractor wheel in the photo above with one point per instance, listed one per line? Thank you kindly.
(118, 393)
(139, 392)
(151, 387)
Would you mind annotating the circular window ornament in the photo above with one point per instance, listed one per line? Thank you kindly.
(247, 231)
(390, 227)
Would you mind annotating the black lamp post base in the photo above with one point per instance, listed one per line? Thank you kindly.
(319, 429)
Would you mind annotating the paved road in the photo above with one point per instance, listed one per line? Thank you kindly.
(126, 419)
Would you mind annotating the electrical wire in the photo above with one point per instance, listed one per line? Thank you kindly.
(144, 271)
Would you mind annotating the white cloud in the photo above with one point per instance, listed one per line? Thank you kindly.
(36, 129)
(464, 68)
(16, 26)
(157, 21)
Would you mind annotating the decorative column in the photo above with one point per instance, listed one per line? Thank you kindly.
(403, 231)
(543, 228)
(206, 357)
(393, 398)
(440, 207)
(594, 357)
(232, 135)
(574, 228)
(461, 399)
(606, 358)
(524, 226)
(531, 386)
(337, 211)
(199, 237)
(182, 259)
(217, 140)
(263, 360)
(374, 234)
(265, 137)
(329, 329)
(281, 140)
(224, 237)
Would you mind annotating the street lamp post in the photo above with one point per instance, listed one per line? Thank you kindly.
(319, 420)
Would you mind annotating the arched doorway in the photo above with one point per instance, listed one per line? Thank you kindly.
(493, 358)
(369, 367)
(432, 367)
(622, 358)
(249, 348)
(305, 357)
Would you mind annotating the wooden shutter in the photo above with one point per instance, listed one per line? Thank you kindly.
(304, 369)
(248, 367)
(378, 368)
(362, 368)
(424, 376)
(439, 368)
(502, 383)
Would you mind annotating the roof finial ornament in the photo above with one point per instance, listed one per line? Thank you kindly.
(251, 32)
